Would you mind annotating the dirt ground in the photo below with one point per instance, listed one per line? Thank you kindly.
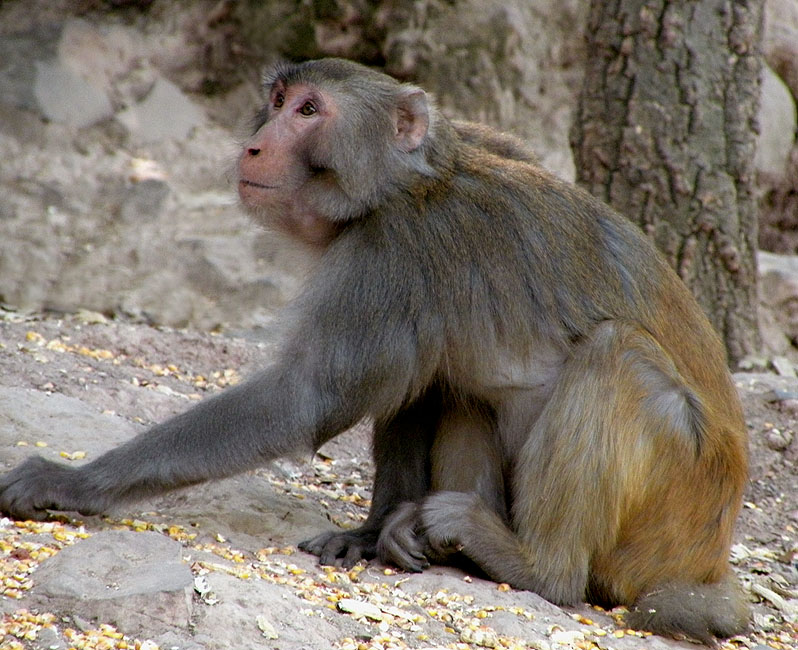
(113, 365)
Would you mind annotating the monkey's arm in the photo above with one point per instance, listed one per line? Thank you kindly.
(273, 414)
(318, 389)
(341, 363)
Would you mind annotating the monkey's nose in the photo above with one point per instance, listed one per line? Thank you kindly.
(253, 152)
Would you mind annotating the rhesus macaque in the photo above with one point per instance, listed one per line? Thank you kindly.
(549, 401)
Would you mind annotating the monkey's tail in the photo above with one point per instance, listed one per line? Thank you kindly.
(704, 612)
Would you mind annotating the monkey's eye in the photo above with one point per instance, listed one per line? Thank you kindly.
(307, 109)
(279, 100)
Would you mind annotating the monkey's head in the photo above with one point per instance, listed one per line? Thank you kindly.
(333, 141)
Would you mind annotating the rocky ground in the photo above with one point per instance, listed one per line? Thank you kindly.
(216, 566)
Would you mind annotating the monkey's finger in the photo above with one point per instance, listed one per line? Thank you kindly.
(23, 513)
(438, 545)
(329, 547)
(27, 491)
(18, 503)
(399, 544)
(353, 555)
(413, 561)
(403, 549)
(333, 551)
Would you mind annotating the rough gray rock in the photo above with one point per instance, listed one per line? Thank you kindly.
(115, 564)
(781, 40)
(63, 96)
(233, 622)
(123, 578)
(777, 120)
(45, 68)
(165, 113)
(62, 423)
(778, 289)
(114, 189)
(520, 65)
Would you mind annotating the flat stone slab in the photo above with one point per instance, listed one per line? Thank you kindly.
(115, 564)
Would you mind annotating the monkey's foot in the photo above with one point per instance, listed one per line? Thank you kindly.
(345, 549)
(444, 516)
(400, 543)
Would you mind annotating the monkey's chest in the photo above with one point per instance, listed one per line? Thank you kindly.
(516, 388)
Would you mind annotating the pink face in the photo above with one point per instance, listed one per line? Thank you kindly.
(273, 164)
(297, 173)
(274, 168)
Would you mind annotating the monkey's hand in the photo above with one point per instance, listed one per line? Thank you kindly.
(37, 485)
(400, 542)
(346, 549)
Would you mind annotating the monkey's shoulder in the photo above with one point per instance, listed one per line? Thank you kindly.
(490, 142)
(525, 192)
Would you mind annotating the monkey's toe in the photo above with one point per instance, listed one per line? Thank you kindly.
(342, 548)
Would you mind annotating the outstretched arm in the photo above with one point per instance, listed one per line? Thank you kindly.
(334, 370)
(239, 429)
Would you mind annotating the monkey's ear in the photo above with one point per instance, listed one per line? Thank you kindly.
(412, 119)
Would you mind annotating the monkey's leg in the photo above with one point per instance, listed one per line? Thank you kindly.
(465, 458)
(621, 435)
(402, 473)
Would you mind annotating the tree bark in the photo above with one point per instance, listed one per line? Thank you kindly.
(665, 132)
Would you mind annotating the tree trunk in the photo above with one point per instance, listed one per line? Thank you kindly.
(665, 132)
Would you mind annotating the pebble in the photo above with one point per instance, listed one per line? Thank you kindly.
(778, 440)
(358, 608)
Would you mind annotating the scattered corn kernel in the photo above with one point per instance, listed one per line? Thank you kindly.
(75, 455)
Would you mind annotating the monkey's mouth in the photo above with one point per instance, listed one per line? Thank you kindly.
(247, 183)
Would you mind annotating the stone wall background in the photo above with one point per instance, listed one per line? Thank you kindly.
(118, 130)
